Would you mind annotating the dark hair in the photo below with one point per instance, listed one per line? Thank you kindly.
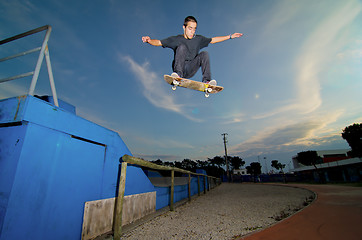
(189, 19)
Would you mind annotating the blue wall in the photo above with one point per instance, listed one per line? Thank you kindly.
(137, 181)
(51, 163)
(180, 192)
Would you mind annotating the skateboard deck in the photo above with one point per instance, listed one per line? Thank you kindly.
(191, 84)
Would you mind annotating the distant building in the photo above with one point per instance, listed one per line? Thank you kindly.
(240, 172)
(336, 167)
(333, 155)
(327, 156)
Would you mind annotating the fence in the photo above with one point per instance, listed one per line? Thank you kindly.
(44, 51)
(117, 222)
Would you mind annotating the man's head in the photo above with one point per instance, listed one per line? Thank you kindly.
(189, 19)
(189, 27)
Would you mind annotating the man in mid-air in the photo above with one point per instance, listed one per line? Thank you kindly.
(188, 59)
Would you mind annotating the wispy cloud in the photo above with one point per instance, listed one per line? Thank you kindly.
(9, 89)
(233, 118)
(280, 110)
(153, 90)
(19, 11)
(312, 131)
(283, 13)
(321, 45)
(161, 142)
(305, 123)
(158, 146)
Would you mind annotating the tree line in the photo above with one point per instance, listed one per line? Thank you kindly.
(216, 166)
(213, 166)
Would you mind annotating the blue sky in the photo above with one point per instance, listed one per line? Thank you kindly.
(292, 82)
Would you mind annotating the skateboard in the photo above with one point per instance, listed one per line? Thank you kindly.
(191, 84)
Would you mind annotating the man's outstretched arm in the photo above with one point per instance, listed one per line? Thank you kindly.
(153, 42)
(224, 38)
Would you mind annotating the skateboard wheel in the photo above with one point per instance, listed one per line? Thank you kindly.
(176, 83)
(174, 87)
(207, 94)
(209, 90)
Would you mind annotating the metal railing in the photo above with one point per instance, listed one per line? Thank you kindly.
(126, 159)
(44, 52)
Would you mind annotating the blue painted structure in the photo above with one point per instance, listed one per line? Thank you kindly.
(51, 163)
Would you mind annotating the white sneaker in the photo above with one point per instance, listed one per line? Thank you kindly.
(174, 75)
(212, 82)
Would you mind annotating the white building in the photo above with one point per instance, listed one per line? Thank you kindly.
(240, 172)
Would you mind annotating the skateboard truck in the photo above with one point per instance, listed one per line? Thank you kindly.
(175, 83)
(208, 90)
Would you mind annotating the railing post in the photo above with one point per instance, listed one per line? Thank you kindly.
(51, 78)
(172, 189)
(189, 187)
(117, 218)
(204, 184)
(198, 184)
(208, 183)
(40, 60)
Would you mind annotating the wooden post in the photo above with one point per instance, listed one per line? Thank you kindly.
(208, 183)
(172, 189)
(189, 185)
(204, 184)
(198, 185)
(117, 218)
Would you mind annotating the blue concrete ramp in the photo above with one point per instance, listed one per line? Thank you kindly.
(51, 163)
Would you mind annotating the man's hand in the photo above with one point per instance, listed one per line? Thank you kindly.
(145, 39)
(236, 35)
(153, 42)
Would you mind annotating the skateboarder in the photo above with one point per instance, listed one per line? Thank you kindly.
(186, 47)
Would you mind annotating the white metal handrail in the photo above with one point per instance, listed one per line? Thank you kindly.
(44, 51)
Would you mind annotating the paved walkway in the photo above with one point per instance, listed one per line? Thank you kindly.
(336, 214)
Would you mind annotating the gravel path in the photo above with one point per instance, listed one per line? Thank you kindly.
(227, 212)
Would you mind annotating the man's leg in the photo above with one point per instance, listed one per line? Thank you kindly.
(178, 64)
(202, 60)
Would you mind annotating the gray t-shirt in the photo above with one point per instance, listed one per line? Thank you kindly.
(194, 45)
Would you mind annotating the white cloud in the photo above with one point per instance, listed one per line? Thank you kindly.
(9, 89)
(233, 118)
(276, 111)
(284, 12)
(19, 11)
(310, 131)
(161, 143)
(321, 45)
(354, 53)
(153, 90)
